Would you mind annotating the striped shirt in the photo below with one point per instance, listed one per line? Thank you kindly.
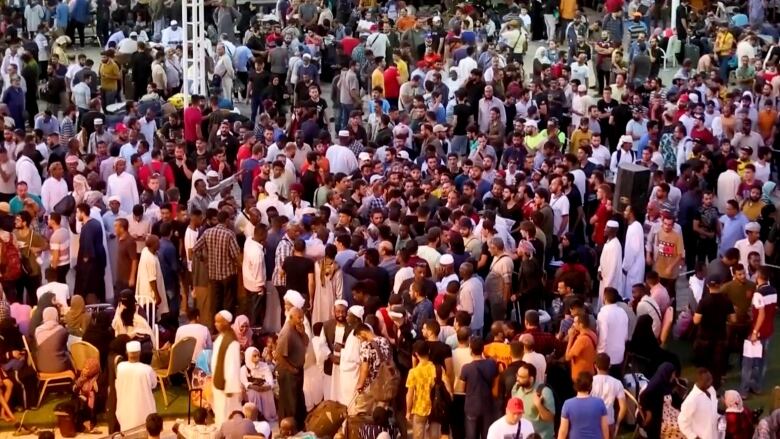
(221, 248)
(283, 250)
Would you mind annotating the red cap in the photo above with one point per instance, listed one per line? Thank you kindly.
(120, 128)
(515, 406)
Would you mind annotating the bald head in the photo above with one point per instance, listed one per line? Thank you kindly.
(152, 243)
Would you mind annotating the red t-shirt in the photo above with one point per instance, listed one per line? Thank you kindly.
(192, 118)
(392, 87)
(244, 152)
(348, 44)
(602, 215)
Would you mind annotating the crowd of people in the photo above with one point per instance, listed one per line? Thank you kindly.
(388, 215)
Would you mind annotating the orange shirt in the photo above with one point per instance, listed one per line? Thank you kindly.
(405, 23)
(583, 354)
(500, 352)
(766, 121)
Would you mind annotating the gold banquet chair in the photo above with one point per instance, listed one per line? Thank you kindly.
(81, 351)
(178, 362)
(48, 379)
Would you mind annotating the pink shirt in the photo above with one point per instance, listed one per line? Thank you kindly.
(661, 297)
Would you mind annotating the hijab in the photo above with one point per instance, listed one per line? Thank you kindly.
(733, 402)
(643, 339)
(660, 384)
(246, 339)
(767, 191)
(49, 326)
(541, 55)
(76, 313)
(328, 269)
(47, 300)
(251, 366)
(80, 188)
(85, 384)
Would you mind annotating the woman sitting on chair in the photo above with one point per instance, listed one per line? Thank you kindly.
(52, 341)
(127, 321)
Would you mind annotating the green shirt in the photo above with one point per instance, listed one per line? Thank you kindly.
(545, 429)
(17, 204)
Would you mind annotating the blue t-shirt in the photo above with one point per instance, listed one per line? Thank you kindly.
(584, 415)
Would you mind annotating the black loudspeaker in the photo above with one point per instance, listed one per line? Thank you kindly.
(632, 187)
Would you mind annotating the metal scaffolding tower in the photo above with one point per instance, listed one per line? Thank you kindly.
(194, 53)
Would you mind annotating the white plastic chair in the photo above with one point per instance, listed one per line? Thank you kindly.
(670, 54)
(150, 311)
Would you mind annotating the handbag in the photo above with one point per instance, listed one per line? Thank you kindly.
(27, 264)
(66, 206)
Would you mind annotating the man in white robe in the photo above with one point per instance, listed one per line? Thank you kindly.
(149, 281)
(226, 369)
(611, 262)
(633, 257)
(123, 186)
(135, 382)
(335, 332)
(349, 368)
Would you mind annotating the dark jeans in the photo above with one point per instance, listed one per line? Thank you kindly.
(291, 399)
(62, 273)
(257, 101)
(477, 426)
(225, 293)
(280, 290)
(73, 26)
(706, 250)
(256, 307)
(457, 423)
(712, 355)
(344, 116)
(31, 284)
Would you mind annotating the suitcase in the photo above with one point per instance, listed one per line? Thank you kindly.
(326, 418)
(691, 52)
(353, 426)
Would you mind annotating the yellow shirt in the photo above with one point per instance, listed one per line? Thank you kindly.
(577, 136)
(568, 8)
(723, 43)
(378, 80)
(752, 210)
(403, 70)
(421, 379)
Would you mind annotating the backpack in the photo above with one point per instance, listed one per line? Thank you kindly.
(440, 399)
(387, 381)
(11, 260)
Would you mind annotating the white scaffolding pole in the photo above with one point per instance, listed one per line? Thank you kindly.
(194, 53)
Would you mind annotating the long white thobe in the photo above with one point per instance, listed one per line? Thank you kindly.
(149, 270)
(123, 186)
(312, 375)
(224, 405)
(134, 397)
(349, 369)
(633, 260)
(334, 388)
(611, 267)
(321, 352)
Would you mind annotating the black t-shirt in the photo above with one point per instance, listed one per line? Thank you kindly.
(296, 270)
(606, 107)
(682, 14)
(714, 310)
(259, 81)
(479, 376)
(462, 113)
(180, 178)
(439, 352)
(320, 105)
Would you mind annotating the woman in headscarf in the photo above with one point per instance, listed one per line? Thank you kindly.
(768, 427)
(767, 219)
(739, 419)
(52, 342)
(328, 286)
(243, 331)
(46, 300)
(651, 400)
(647, 352)
(80, 188)
(76, 319)
(127, 320)
(100, 335)
(258, 382)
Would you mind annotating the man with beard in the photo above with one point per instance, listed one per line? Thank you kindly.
(335, 331)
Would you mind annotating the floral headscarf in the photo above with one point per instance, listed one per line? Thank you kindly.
(86, 382)
(733, 402)
(244, 340)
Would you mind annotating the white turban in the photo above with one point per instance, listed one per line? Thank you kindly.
(226, 315)
(295, 299)
(357, 311)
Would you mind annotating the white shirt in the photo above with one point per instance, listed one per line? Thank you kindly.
(52, 192)
(624, 157)
(197, 331)
(135, 400)
(149, 271)
(648, 305)
(560, 207)
(698, 416)
(728, 186)
(148, 128)
(609, 390)
(61, 292)
(123, 186)
(501, 429)
(539, 362)
(81, 95)
(28, 173)
(253, 265)
(600, 156)
(341, 159)
(613, 332)
(465, 66)
(190, 238)
(745, 248)
(171, 38)
(580, 72)
(400, 276)
(8, 187)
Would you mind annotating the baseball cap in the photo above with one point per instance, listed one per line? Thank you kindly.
(515, 406)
